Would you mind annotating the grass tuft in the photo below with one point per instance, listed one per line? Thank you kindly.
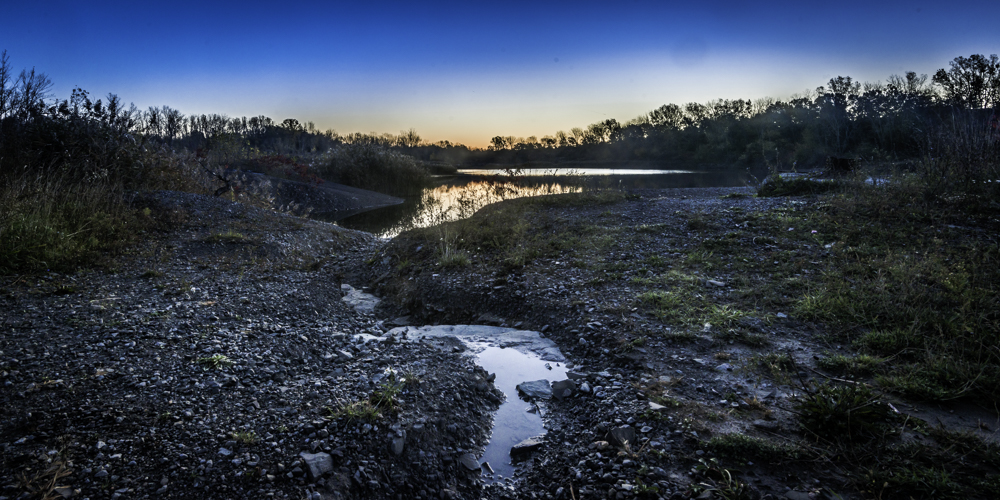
(215, 362)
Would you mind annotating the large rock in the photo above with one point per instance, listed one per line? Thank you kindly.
(317, 464)
(536, 389)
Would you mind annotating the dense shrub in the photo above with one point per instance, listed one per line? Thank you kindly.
(371, 166)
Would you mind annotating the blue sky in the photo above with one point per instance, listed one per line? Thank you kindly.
(471, 70)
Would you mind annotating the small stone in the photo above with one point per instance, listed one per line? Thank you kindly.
(563, 389)
(766, 425)
(65, 491)
(781, 315)
(397, 445)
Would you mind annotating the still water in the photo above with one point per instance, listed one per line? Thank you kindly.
(516, 420)
(459, 196)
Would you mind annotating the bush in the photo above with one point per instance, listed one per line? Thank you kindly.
(373, 167)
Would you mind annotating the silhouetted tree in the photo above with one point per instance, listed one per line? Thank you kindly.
(972, 82)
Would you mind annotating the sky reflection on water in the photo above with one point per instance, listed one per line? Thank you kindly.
(459, 197)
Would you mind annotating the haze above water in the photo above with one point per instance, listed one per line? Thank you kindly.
(459, 197)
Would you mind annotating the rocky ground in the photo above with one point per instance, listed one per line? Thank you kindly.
(219, 361)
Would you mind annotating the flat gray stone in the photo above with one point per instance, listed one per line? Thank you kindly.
(536, 389)
(361, 302)
(317, 464)
(527, 446)
(469, 461)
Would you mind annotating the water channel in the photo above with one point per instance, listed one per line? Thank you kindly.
(459, 196)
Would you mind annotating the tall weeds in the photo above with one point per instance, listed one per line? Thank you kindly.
(962, 154)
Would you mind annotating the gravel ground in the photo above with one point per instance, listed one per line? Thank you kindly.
(205, 365)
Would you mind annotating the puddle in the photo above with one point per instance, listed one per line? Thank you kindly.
(512, 423)
(515, 356)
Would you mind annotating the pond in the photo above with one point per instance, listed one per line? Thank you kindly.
(459, 196)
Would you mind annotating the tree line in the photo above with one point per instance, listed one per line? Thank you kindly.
(882, 121)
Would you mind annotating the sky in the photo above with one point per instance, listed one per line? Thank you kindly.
(468, 71)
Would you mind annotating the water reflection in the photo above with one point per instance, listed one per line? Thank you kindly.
(547, 172)
(460, 196)
(449, 202)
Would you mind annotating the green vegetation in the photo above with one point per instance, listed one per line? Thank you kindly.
(358, 410)
(859, 365)
(246, 437)
(504, 231)
(743, 447)
(215, 362)
(382, 400)
(229, 236)
(851, 413)
(719, 482)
